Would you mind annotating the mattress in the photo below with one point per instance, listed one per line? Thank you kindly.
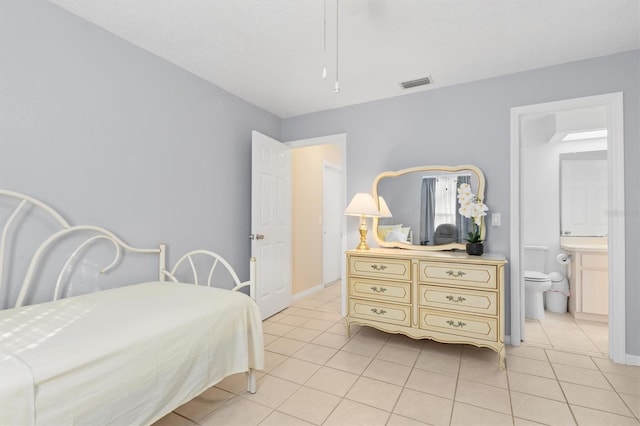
(128, 355)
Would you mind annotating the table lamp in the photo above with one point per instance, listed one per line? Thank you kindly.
(362, 205)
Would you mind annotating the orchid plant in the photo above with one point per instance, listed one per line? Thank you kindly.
(473, 208)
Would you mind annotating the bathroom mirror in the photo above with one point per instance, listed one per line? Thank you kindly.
(424, 205)
(583, 194)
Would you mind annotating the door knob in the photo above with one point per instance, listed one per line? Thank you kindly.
(256, 237)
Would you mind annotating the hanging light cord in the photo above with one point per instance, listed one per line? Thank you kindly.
(336, 88)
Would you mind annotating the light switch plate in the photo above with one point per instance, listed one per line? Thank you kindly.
(495, 219)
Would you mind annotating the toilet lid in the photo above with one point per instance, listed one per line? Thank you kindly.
(535, 276)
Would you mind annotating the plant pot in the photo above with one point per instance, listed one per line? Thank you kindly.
(475, 249)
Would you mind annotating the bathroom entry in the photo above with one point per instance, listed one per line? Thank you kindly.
(564, 214)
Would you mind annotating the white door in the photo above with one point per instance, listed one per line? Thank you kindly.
(332, 212)
(271, 223)
(584, 203)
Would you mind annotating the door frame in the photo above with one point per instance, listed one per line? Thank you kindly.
(339, 139)
(616, 220)
(326, 166)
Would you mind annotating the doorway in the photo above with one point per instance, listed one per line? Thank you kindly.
(612, 103)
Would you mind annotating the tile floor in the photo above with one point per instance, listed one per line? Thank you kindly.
(563, 332)
(315, 375)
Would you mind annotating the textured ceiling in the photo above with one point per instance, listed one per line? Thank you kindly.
(270, 52)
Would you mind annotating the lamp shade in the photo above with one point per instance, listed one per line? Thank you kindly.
(384, 208)
(362, 204)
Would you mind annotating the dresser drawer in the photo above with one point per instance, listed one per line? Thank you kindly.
(459, 324)
(462, 300)
(382, 312)
(482, 276)
(389, 269)
(397, 292)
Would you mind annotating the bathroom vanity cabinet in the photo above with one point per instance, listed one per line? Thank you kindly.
(589, 280)
(449, 297)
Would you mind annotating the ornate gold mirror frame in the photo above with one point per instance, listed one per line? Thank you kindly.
(403, 191)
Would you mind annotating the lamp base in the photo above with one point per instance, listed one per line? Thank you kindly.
(363, 235)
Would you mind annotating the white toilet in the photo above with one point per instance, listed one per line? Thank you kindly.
(536, 282)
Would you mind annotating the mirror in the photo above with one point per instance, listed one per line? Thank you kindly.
(424, 205)
(583, 194)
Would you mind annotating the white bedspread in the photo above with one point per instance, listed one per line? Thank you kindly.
(123, 356)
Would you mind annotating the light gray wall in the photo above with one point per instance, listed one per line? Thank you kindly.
(112, 135)
(470, 123)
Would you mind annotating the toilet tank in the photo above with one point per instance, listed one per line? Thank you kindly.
(535, 258)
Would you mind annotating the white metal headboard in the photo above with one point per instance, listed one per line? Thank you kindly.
(98, 234)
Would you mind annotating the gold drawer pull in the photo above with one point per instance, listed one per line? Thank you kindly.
(378, 290)
(454, 324)
(378, 267)
(456, 299)
(456, 274)
(378, 312)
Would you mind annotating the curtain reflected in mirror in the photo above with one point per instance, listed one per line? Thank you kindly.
(440, 222)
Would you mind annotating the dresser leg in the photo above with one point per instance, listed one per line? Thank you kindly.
(501, 357)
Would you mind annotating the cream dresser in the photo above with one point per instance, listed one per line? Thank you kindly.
(449, 297)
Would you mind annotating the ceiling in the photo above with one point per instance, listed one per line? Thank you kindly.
(271, 52)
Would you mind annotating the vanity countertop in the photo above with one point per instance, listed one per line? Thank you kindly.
(587, 244)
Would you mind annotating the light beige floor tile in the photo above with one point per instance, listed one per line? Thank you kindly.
(285, 346)
(204, 404)
(389, 372)
(589, 417)
(568, 358)
(633, 403)
(315, 353)
(308, 303)
(453, 351)
(237, 411)
(277, 329)
(332, 381)
(598, 399)
(353, 414)
(272, 391)
(537, 338)
(575, 343)
(468, 415)
(172, 419)
(535, 385)
(363, 346)
(318, 324)
(294, 320)
(295, 370)
(397, 420)
(433, 383)
(624, 384)
(486, 372)
(517, 421)
(609, 366)
(541, 410)
(424, 407)
(530, 366)
(333, 317)
(438, 363)
(405, 342)
(272, 360)
(373, 334)
(268, 338)
(581, 376)
(398, 354)
(350, 362)
(527, 351)
(331, 340)
(374, 393)
(277, 418)
(303, 334)
(310, 405)
(485, 396)
(338, 328)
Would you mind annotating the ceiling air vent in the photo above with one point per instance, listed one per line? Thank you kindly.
(415, 83)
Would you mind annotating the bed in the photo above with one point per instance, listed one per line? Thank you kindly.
(124, 355)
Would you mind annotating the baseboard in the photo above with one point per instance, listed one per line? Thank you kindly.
(633, 359)
(307, 292)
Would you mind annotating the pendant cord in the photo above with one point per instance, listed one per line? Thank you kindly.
(337, 86)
